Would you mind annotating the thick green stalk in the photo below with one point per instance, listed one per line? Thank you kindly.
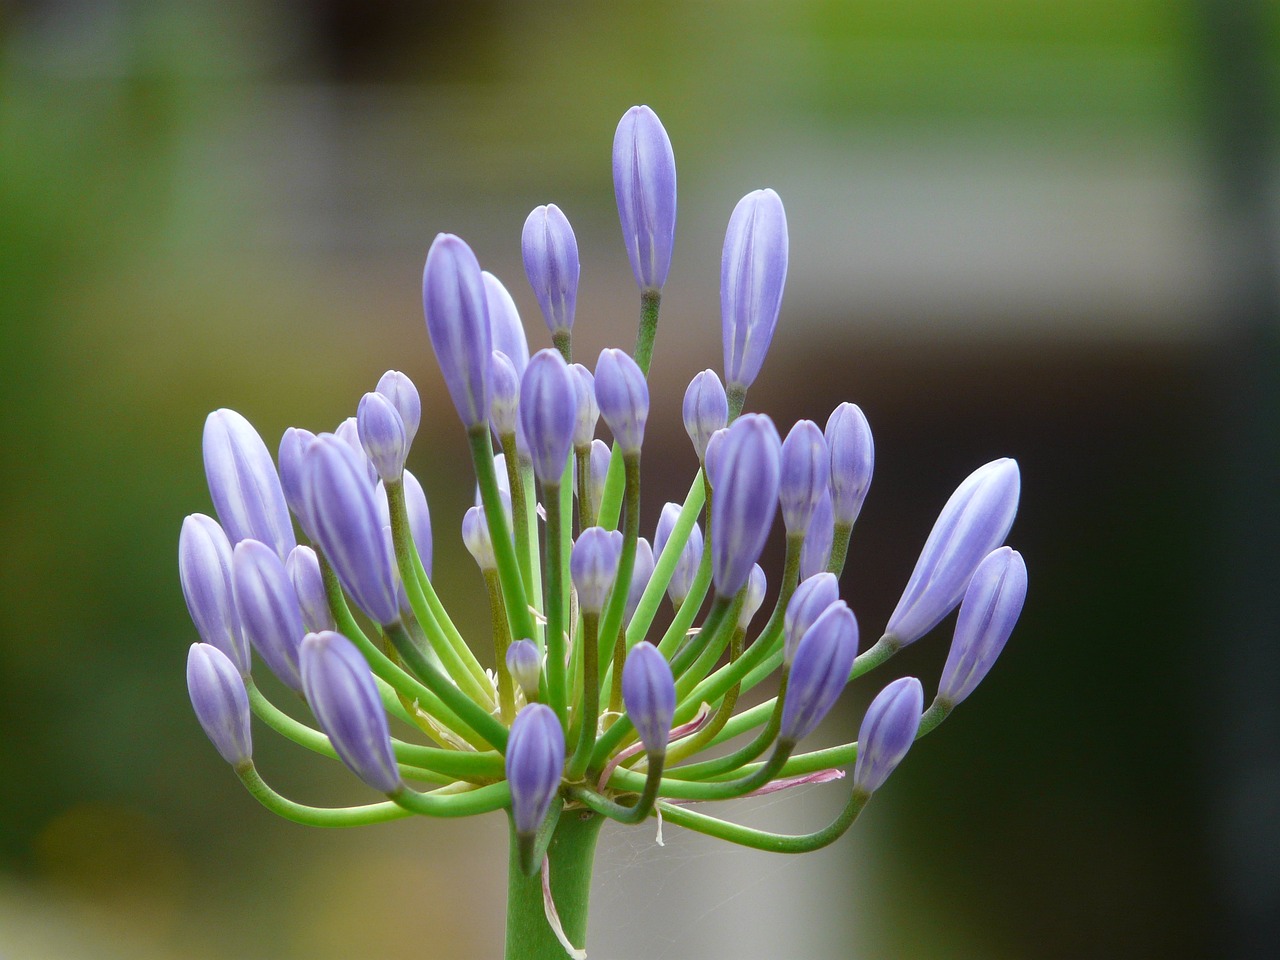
(570, 856)
(650, 302)
(839, 548)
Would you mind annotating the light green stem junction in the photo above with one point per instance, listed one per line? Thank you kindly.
(570, 856)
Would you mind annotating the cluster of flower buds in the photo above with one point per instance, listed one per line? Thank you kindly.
(599, 697)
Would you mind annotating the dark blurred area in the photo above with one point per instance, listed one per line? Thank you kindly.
(1042, 230)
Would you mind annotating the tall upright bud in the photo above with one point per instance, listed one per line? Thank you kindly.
(525, 666)
(988, 612)
(220, 701)
(534, 765)
(641, 574)
(504, 395)
(399, 389)
(292, 446)
(204, 567)
(706, 409)
(303, 567)
(505, 327)
(475, 533)
(754, 596)
(549, 413)
(269, 610)
(453, 299)
(644, 180)
(686, 568)
(550, 253)
(815, 555)
(853, 460)
(887, 732)
(348, 431)
(649, 694)
(593, 565)
(623, 395)
(584, 389)
(806, 469)
(819, 672)
(809, 600)
(753, 271)
(600, 457)
(382, 435)
(243, 483)
(746, 497)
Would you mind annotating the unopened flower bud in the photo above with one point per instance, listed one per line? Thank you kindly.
(706, 409)
(454, 301)
(711, 458)
(811, 597)
(505, 327)
(649, 694)
(348, 431)
(399, 389)
(550, 253)
(534, 765)
(819, 672)
(756, 586)
(887, 732)
(303, 567)
(504, 395)
(644, 181)
(476, 536)
(293, 445)
(243, 483)
(584, 389)
(623, 395)
(549, 412)
(382, 435)
(220, 701)
(815, 554)
(269, 610)
(988, 612)
(593, 565)
(641, 574)
(686, 568)
(746, 497)
(525, 666)
(805, 474)
(600, 457)
(853, 460)
(753, 271)
(204, 567)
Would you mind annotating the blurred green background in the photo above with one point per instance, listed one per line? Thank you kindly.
(1035, 228)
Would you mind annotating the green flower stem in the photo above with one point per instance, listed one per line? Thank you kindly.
(613, 675)
(316, 816)
(562, 340)
(586, 516)
(446, 623)
(616, 811)
(611, 622)
(762, 839)
(501, 640)
(696, 741)
(611, 502)
(651, 599)
(570, 854)
(590, 713)
(650, 303)
(557, 697)
(439, 803)
(712, 649)
(684, 617)
(737, 400)
(495, 514)
(746, 753)
(839, 548)
(719, 623)
(753, 777)
(519, 511)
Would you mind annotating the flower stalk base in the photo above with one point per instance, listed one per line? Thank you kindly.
(571, 854)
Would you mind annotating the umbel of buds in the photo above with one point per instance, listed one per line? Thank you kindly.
(602, 702)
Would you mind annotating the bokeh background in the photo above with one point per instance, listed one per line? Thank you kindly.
(1039, 229)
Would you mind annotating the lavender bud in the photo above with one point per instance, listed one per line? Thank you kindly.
(746, 496)
(756, 585)
(504, 395)
(293, 445)
(853, 459)
(807, 603)
(973, 522)
(243, 483)
(303, 567)
(690, 556)
(711, 458)
(220, 701)
(806, 470)
(475, 534)
(988, 612)
(525, 666)
(535, 763)
(644, 180)
(505, 329)
(382, 435)
(415, 504)
(341, 503)
(348, 431)
(399, 389)
(706, 409)
(344, 698)
(454, 301)
(549, 412)
(600, 457)
(593, 565)
(887, 732)
(815, 554)
(584, 391)
(269, 610)
(551, 263)
(649, 694)
(641, 573)
(753, 271)
(623, 395)
(204, 567)
(819, 672)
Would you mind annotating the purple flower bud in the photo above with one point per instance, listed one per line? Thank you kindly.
(644, 180)
(853, 459)
(746, 496)
(454, 301)
(341, 503)
(593, 565)
(551, 263)
(806, 471)
(204, 567)
(303, 567)
(974, 522)
(220, 701)
(382, 435)
(706, 409)
(293, 445)
(584, 390)
(504, 395)
(600, 457)
(641, 574)
(988, 612)
(269, 610)
(887, 732)
(807, 603)
(399, 389)
(686, 568)
(549, 412)
(819, 672)
(344, 698)
(649, 693)
(525, 666)
(475, 533)
(535, 763)
(243, 483)
(348, 431)
(397, 582)
(815, 554)
(415, 503)
(505, 328)
(623, 395)
(753, 271)
(711, 459)
(756, 585)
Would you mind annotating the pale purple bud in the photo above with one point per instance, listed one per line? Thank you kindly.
(711, 459)
(584, 391)
(382, 435)
(686, 568)
(593, 565)
(220, 701)
(505, 328)
(813, 595)
(623, 395)
(204, 567)
(293, 445)
(348, 431)
(476, 536)
(269, 610)
(340, 688)
(454, 301)
(525, 666)
(504, 395)
(550, 253)
(641, 573)
(600, 457)
(303, 567)
(746, 497)
(819, 672)
(649, 694)
(706, 409)
(415, 504)
(973, 522)
(399, 389)
(888, 730)
(753, 271)
(549, 412)
(806, 471)
(756, 585)
(534, 764)
(815, 553)
(243, 483)
(853, 459)
(644, 180)
(988, 612)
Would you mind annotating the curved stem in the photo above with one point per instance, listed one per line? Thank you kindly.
(495, 796)
(762, 839)
(316, 816)
(616, 811)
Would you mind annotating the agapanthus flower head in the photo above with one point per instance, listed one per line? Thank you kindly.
(623, 395)
(753, 271)
(204, 567)
(399, 389)
(505, 328)
(705, 409)
(456, 308)
(853, 459)
(745, 481)
(382, 435)
(549, 412)
(220, 701)
(805, 475)
(525, 666)
(887, 732)
(535, 764)
(243, 483)
(988, 612)
(644, 180)
(819, 671)
(812, 596)
(303, 567)
(815, 554)
(269, 611)
(504, 395)
(584, 387)
(649, 693)
(550, 252)
(593, 565)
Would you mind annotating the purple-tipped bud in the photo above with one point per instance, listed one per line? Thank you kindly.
(815, 554)
(243, 483)
(504, 395)
(853, 460)
(399, 389)
(593, 565)
(819, 672)
(535, 764)
(453, 299)
(220, 701)
(756, 585)
(600, 457)
(415, 505)
(806, 470)
(711, 459)
(382, 435)
(623, 395)
(753, 271)
(505, 328)
(344, 698)
(649, 693)
(525, 666)
(303, 567)
(549, 412)
(342, 506)
(746, 497)
(988, 612)
(686, 568)
(269, 610)
(706, 409)
(348, 431)
(807, 603)
(644, 180)
(641, 573)
(974, 522)
(293, 445)
(476, 536)
(551, 263)
(204, 567)
(584, 390)
(887, 732)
